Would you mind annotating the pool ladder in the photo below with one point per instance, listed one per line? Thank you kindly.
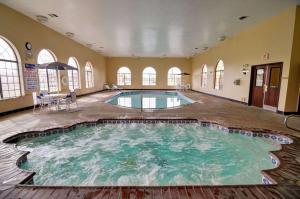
(286, 122)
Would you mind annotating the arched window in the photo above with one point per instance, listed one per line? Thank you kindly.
(48, 78)
(9, 71)
(219, 75)
(124, 76)
(174, 76)
(89, 78)
(149, 76)
(73, 75)
(204, 76)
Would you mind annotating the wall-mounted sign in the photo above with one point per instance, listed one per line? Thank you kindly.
(266, 56)
(30, 77)
(30, 66)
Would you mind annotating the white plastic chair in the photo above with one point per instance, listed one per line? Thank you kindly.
(70, 99)
(36, 100)
(106, 87)
(115, 87)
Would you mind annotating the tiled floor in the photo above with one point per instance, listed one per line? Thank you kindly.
(206, 108)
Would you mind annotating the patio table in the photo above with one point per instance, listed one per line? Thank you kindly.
(57, 97)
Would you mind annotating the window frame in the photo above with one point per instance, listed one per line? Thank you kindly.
(124, 79)
(89, 75)
(172, 77)
(219, 76)
(49, 81)
(16, 61)
(150, 77)
(71, 86)
(204, 76)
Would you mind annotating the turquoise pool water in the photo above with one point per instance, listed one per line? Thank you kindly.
(150, 99)
(147, 154)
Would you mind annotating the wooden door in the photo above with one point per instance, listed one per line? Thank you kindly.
(272, 87)
(259, 77)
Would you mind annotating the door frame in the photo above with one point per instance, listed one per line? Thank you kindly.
(252, 80)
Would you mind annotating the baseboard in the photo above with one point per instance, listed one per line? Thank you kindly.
(31, 107)
(287, 113)
(225, 98)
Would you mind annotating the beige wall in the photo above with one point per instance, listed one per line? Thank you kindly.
(294, 73)
(274, 36)
(19, 29)
(278, 36)
(137, 65)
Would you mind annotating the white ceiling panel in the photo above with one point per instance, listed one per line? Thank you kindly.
(150, 28)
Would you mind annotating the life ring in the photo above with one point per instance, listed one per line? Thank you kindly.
(64, 80)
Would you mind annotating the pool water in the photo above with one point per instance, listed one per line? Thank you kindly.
(150, 99)
(147, 154)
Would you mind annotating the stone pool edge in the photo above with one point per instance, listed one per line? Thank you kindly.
(266, 177)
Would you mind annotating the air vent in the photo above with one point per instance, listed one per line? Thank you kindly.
(53, 15)
(70, 34)
(222, 38)
(42, 19)
(243, 17)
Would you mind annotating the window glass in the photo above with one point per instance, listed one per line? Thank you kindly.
(9, 72)
(89, 79)
(124, 76)
(149, 76)
(274, 77)
(73, 75)
(204, 76)
(259, 77)
(219, 75)
(48, 78)
(174, 76)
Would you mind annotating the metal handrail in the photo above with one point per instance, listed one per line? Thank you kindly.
(286, 122)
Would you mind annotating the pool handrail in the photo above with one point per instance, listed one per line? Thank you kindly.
(286, 122)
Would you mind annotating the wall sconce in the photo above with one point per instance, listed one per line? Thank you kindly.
(245, 69)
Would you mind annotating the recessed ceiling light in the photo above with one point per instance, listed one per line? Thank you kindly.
(243, 17)
(196, 48)
(41, 18)
(53, 15)
(70, 34)
(222, 38)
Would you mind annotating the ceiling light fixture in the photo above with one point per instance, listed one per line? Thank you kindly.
(222, 38)
(70, 34)
(243, 17)
(41, 18)
(196, 48)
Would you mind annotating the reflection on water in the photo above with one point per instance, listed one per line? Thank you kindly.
(124, 101)
(149, 100)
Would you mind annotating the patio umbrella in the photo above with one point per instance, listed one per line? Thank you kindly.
(56, 66)
(183, 75)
